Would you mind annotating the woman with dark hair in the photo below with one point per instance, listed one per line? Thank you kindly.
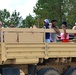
(65, 35)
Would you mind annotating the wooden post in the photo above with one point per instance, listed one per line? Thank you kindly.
(3, 53)
(38, 22)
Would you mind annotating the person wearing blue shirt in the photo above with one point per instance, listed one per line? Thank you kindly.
(46, 26)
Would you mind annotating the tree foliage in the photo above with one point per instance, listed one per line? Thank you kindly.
(15, 18)
(50, 9)
(29, 21)
(71, 17)
(56, 9)
(8, 19)
(4, 16)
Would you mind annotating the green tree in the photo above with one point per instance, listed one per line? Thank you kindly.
(4, 16)
(29, 21)
(8, 19)
(15, 18)
(56, 9)
(71, 17)
(50, 9)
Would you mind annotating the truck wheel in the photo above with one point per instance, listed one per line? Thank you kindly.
(51, 72)
(73, 72)
(41, 71)
(47, 71)
(70, 71)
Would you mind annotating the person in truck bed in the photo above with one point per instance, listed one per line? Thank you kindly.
(54, 26)
(64, 35)
(46, 26)
(74, 28)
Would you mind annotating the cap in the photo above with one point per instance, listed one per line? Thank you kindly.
(46, 20)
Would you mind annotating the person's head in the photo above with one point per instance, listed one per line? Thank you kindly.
(54, 22)
(0, 24)
(74, 27)
(46, 22)
(30, 27)
(12, 26)
(34, 27)
(64, 24)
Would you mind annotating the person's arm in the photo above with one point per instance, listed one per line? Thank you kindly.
(74, 28)
(56, 30)
(65, 34)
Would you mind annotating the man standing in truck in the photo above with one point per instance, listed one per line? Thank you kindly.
(54, 26)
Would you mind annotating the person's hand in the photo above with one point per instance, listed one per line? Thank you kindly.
(54, 26)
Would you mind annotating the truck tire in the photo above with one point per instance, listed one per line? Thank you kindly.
(41, 71)
(47, 71)
(73, 72)
(31, 69)
(70, 71)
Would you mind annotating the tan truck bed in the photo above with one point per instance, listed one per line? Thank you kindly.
(27, 46)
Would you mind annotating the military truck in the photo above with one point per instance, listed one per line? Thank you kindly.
(23, 51)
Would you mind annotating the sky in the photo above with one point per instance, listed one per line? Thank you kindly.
(25, 7)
